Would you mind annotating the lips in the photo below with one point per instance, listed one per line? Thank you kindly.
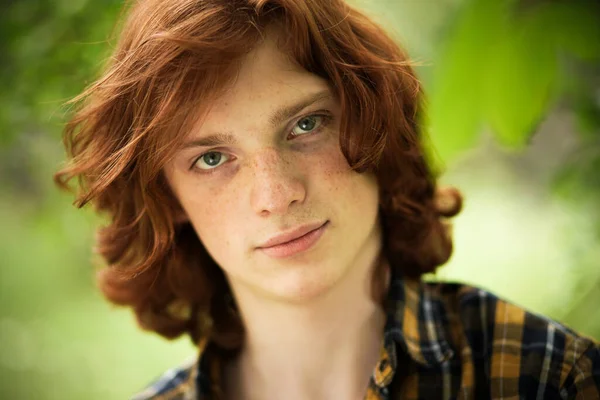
(295, 241)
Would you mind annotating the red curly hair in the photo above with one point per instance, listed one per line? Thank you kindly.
(173, 57)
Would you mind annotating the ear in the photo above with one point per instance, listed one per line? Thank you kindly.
(447, 201)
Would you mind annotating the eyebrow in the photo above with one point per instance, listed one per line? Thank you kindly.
(277, 118)
(287, 112)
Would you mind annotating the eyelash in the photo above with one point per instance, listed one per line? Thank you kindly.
(325, 116)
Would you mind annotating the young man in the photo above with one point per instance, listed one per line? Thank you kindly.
(262, 166)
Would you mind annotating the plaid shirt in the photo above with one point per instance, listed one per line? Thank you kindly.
(446, 341)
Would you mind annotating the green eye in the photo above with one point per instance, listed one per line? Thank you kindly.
(211, 160)
(307, 125)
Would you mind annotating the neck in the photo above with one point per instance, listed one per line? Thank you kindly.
(325, 348)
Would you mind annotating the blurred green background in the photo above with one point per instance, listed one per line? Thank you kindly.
(514, 101)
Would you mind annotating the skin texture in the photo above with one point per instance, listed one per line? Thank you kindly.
(311, 315)
(271, 183)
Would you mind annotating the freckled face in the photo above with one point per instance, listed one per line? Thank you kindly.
(265, 165)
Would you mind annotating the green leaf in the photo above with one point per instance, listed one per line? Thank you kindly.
(575, 26)
(455, 104)
(520, 81)
(588, 116)
(579, 180)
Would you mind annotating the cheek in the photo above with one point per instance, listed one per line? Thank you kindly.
(213, 215)
(340, 181)
(353, 197)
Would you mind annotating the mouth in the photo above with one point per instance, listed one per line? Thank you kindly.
(295, 242)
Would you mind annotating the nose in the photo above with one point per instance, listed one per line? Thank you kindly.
(277, 183)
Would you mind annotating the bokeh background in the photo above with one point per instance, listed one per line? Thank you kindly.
(514, 117)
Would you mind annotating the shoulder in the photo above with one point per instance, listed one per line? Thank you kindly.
(478, 310)
(175, 384)
(515, 349)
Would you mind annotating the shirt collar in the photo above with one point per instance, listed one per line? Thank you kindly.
(417, 320)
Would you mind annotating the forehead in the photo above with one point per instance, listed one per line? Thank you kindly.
(267, 79)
